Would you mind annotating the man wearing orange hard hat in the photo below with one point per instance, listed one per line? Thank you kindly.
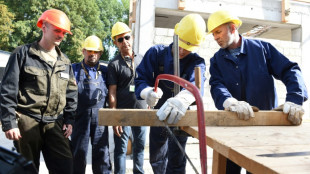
(39, 96)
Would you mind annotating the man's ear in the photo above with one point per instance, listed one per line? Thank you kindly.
(233, 28)
(43, 28)
(114, 42)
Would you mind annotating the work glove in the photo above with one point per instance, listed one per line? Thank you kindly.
(151, 96)
(175, 108)
(242, 108)
(294, 111)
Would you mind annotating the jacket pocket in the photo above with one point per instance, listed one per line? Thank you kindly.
(35, 80)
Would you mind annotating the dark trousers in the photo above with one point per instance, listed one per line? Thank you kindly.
(165, 155)
(233, 168)
(48, 138)
(86, 127)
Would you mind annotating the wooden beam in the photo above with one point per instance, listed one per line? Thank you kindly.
(285, 10)
(132, 13)
(147, 117)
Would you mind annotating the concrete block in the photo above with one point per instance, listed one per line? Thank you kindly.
(161, 31)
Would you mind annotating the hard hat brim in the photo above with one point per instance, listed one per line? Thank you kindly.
(237, 22)
(40, 23)
(188, 47)
(92, 49)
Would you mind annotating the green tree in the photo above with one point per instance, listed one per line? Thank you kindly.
(6, 26)
(88, 17)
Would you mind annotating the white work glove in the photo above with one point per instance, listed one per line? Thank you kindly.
(294, 111)
(151, 96)
(242, 108)
(175, 108)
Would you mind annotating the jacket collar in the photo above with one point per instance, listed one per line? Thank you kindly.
(35, 50)
(242, 47)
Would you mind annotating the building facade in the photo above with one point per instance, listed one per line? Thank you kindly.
(283, 23)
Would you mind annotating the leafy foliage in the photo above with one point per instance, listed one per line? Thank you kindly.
(6, 26)
(88, 17)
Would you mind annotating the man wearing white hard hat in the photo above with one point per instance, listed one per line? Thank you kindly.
(165, 155)
(242, 73)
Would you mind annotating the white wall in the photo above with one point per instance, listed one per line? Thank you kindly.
(4, 57)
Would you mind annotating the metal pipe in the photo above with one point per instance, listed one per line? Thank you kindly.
(176, 62)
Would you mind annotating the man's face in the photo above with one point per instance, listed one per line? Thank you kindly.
(124, 43)
(183, 52)
(91, 58)
(223, 35)
(53, 34)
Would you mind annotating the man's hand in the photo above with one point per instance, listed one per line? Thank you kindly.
(13, 134)
(242, 108)
(151, 96)
(68, 130)
(118, 130)
(294, 111)
(175, 108)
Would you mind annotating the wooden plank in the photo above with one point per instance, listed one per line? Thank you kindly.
(147, 117)
(244, 145)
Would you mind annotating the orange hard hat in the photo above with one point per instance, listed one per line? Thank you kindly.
(57, 18)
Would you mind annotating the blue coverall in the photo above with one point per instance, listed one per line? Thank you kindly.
(165, 155)
(92, 94)
(249, 77)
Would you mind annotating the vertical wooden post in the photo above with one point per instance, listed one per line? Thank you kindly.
(218, 163)
(132, 13)
(285, 10)
(181, 4)
(198, 77)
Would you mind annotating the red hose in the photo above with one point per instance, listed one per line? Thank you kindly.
(200, 113)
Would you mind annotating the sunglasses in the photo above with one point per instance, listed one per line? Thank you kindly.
(121, 39)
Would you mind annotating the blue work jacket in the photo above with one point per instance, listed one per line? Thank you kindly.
(249, 77)
(159, 60)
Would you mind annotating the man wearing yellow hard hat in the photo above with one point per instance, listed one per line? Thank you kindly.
(92, 92)
(39, 90)
(121, 75)
(242, 73)
(165, 155)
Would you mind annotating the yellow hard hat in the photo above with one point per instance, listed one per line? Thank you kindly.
(221, 17)
(119, 28)
(191, 31)
(93, 43)
(57, 18)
